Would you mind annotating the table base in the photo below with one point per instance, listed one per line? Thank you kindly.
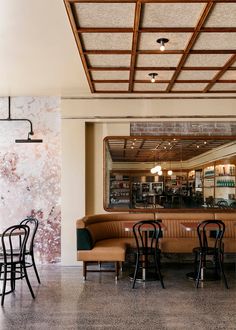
(150, 276)
(207, 277)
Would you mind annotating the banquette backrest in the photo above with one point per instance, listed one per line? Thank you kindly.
(229, 218)
(111, 225)
(172, 222)
(108, 225)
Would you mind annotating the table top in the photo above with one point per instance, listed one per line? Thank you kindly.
(128, 226)
(16, 233)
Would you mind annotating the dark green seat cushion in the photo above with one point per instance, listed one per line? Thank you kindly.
(84, 239)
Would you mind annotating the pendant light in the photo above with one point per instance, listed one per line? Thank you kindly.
(30, 133)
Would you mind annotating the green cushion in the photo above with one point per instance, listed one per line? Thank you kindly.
(84, 239)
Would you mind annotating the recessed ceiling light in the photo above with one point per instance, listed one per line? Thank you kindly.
(153, 76)
(162, 42)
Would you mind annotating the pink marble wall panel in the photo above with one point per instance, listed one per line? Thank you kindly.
(30, 174)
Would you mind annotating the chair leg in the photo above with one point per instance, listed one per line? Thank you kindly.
(4, 284)
(117, 268)
(199, 270)
(35, 269)
(13, 276)
(221, 265)
(158, 265)
(28, 282)
(195, 263)
(84, 270)
(136, 270)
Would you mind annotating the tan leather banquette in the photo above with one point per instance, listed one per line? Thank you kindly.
(102, 238)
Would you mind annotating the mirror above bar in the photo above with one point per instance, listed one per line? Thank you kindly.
(143, 173)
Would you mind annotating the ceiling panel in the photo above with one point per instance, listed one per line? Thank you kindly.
(111, 86)
(150, 87)
(110, 75)
(105, 41)
(162, 60)
(109, 60)
(92, 14)
(117, 43)
(216, 41)
(205, 60)
(224, 86)
(223, 15)
(171, 14)
(189, 86)
(231, 75)
(196, 75)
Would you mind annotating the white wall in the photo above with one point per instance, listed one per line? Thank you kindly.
(73, 186)
(119, 108)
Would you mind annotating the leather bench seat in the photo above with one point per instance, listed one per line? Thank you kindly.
(106, 250)
(102, 237)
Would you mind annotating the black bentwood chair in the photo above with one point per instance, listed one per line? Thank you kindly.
(32, 223)
(147, 234)
(210, 245)
(11, 262)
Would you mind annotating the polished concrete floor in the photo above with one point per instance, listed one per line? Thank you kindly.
(63, 301)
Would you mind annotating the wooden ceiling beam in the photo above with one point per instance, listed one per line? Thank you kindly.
(164, 92)
(107, 52)
(181, 1)
(187, 29)
(186, 68)
(155, 30)
(93, 68)
(146, 1)
(104, 30)
(145, 81)
(230, 62)
(70, 15)
(137, 18)
(208, 8)
(151, 52)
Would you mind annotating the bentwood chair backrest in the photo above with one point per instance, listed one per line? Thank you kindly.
(207, 240)
(32, 223)
(146, 235)
(14, 239)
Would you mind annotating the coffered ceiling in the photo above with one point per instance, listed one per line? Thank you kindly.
(116, 41)
(150, 149)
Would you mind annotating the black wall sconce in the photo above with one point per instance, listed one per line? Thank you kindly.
(31, 132)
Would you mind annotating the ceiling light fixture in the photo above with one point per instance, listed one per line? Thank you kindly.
(155, 169)
(170, 172)
(162, 42)
(31, 132)
(153, 76)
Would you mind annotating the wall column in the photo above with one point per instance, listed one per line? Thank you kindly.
(73, 186)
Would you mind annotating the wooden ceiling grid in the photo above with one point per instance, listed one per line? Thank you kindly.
(117, 57)
(164, 149)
